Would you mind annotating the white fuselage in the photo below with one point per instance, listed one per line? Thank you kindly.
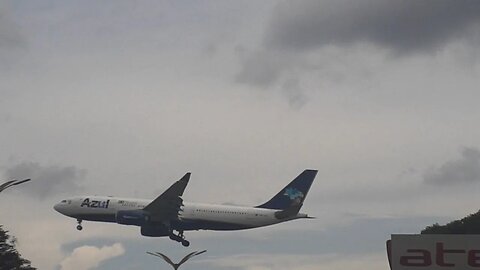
(102, 208)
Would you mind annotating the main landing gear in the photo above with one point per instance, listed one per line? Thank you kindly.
(79, 226)
(179, 238)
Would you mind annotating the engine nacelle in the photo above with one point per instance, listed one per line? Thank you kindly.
(132, 217)
(154, 230)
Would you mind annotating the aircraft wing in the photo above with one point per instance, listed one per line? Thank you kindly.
(166, 206)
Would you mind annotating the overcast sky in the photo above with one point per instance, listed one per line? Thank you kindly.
(123, 97)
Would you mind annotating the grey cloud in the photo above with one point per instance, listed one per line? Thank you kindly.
(463, 170)
(403, 26)
(260, 68)
(300, 33)
(9, 35)
(294, 93)
(264, 68)
(46, 180)
(11, 39)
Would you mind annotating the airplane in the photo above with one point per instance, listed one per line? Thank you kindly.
(169, 213)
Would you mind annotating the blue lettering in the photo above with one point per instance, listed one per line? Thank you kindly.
(85, 202)
(95, 204)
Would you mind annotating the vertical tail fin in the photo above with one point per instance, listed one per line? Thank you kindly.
(293, 194)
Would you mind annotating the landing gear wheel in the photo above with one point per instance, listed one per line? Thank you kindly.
(79, 226)
(179, 238)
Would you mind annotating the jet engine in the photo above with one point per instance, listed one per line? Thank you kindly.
(132, 217)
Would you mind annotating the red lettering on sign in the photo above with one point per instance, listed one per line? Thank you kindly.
(474, 258)
(422, 258)
(440, 258)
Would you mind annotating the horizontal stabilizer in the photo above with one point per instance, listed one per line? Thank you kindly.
(289, 212)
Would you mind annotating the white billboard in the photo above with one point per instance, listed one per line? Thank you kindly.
(434, 252)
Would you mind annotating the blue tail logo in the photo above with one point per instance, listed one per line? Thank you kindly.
(293, 194)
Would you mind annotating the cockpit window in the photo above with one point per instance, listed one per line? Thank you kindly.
(64, 201)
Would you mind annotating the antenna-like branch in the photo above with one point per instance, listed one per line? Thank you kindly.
(177, 265)
(12, 183)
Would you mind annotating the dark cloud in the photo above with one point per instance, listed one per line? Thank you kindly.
(46, 180)
(298, 32)
(463, 170)
(403, 26)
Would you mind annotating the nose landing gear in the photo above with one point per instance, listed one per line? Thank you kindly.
(79, 226)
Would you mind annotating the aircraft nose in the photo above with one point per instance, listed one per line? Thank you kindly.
(57, 207)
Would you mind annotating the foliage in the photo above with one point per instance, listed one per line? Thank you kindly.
(10, 259)
(467, 225)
